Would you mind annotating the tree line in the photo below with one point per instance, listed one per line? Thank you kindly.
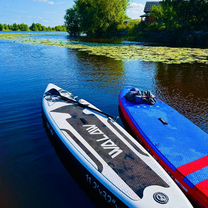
(34, 27)
(177, 15)
(107, 18)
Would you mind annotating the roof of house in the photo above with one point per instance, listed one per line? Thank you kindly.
(150, 4)
(145, 15)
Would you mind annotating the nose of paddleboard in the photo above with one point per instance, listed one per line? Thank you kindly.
(52, 86)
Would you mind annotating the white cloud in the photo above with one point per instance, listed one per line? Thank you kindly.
(51, 2)
(135, 10)
(45, 1)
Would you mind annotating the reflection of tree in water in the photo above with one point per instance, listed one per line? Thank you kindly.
(98, 79)
(101, 68)
(185, 87)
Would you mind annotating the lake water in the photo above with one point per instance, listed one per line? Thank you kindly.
(31, 171)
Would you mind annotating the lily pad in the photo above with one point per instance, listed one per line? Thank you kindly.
(166, 55)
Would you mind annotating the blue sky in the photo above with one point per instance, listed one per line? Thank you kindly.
(48, 12)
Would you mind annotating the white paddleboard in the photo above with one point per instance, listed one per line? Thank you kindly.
(116, 165)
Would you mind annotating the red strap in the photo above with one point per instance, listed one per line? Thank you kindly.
(194, 166)
(203, 187)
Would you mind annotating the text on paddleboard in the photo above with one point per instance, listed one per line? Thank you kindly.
(106, 142)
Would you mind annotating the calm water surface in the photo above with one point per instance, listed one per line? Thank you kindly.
(31, 172)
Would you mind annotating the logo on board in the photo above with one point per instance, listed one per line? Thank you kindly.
(161, 198)
(105, 141)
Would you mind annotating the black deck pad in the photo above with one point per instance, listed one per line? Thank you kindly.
(117, 155)
(93, 158)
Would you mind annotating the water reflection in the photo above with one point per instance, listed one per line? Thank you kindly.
(32, 175)
(101, 68)
(185, 87)
(99, 79)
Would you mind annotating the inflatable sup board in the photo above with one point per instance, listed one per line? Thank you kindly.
(116, 165)
(179, 145)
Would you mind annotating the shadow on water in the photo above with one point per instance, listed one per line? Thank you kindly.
(185, 87)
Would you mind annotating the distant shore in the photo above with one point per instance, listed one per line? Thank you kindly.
(30, 31)
(193, 39)
(35, 27)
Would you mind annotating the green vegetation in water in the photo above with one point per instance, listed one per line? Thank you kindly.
(22, 37)
(13, 36)
(166, 55)
(149, 54)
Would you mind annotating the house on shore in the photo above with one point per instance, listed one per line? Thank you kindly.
(147, 10)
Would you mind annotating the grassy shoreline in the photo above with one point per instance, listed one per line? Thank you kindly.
(167, 55)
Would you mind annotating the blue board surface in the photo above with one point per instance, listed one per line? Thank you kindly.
(180, 142)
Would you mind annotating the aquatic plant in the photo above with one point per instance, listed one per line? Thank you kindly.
(12, 36)
(166, 55)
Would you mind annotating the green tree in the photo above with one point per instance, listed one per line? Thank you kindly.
(37, 27)
(33, 27)
(72, 22)
(6, 27)
(49, 29)
(23, 27)
(60, 28)
(96, 18)
(15, 27)
(40, 27)
(129, 27)
(193, 14)
(184, 15)
(165, 17)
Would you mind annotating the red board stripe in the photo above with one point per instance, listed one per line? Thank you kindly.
(204, 188)
(194, 166)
